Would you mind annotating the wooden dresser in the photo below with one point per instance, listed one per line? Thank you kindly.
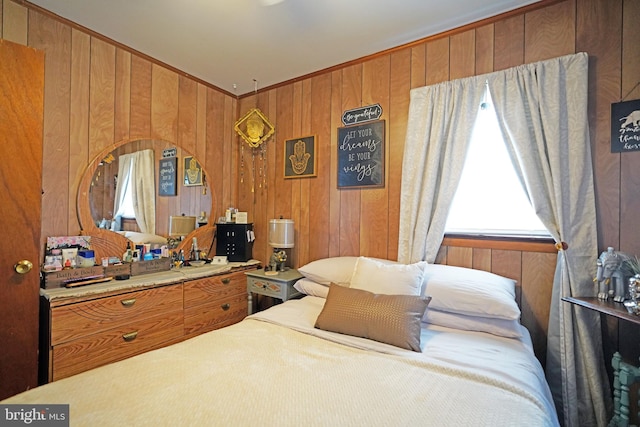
(91, 326)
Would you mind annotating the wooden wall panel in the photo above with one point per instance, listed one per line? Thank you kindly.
(463, 52)
(374, 202)
(140, 97)
(335, 194)
(79, 118)
(418, 73)
(598, 32)
(547, 33)
(484, 49)
(122, 95)
(482, 259)
(399, 98)
(437, 61)
(350, 198)
(538, 270)
(102, 96)
(14, 22)
(164, 103)
(320, 186)
(55, 39)
(508, 42)
(630, 172)
(301, 186)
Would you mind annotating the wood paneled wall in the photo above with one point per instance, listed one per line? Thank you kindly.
(98, 93)
(332, 222)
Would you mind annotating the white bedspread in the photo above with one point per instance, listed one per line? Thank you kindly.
(260, 373)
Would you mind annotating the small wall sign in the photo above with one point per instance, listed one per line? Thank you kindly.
(361, 155)
(625, 126)
(169, 152)
(167, 176)
(362, 115)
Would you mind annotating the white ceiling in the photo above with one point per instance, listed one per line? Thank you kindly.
(241, 45)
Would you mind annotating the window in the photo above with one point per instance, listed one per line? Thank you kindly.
(126, 208)
(490, 198)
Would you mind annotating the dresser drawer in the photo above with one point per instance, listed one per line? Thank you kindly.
(203, 291)
(116, 344)
(215, 315)
(69, 322)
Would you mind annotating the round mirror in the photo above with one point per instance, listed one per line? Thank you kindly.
(132, 189)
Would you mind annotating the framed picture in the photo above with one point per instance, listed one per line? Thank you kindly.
(361, 155)
(167, 176)
(300, 157)
(192, 172)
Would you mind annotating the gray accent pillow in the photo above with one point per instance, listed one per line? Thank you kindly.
(391, 319)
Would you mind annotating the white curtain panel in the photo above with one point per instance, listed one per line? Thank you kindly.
(124, 166)
(441, 119)
(143, 189)
(542, 111)
(136, 173)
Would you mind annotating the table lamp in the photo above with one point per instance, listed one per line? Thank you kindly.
(281, 234)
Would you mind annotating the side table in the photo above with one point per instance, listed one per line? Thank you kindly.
(624, 374)
(278, 286)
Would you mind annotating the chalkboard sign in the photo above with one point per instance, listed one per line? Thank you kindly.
(625, 126)
(361, 155)
(167, 177)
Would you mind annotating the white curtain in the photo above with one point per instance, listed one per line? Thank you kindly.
(136, 174)
(441, 119)
(542, 110)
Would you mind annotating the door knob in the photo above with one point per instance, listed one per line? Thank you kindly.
(23, 266)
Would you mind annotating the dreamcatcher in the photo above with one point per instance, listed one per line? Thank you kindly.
(254, 128)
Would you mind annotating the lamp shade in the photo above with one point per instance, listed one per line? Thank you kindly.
(181, 225)
(281, 233)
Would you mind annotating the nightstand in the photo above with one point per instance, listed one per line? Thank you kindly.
(278, 286)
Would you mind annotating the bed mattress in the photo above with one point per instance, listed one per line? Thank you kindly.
(275, 368)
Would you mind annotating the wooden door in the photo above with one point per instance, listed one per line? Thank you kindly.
(21, 122)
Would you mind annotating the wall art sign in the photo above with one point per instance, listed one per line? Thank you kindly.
(361, 155)
(300, 157)
(167, 171)
(362, 114)
(169, 152)
(625, 126)
(192, 172)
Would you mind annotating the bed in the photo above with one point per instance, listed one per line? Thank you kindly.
(341, 355)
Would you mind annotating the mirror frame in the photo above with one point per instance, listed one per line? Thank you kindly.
(107, 243)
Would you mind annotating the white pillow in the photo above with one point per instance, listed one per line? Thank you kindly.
(501, 327)
(336, 270)
(471, 292)
(309, 287)
(325, 271)
(390, 279)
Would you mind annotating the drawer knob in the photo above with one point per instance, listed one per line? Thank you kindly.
(128, 302)
(226, 281)
(130, 336)
(225, 307)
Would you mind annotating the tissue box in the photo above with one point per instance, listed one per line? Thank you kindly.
(58, 279)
